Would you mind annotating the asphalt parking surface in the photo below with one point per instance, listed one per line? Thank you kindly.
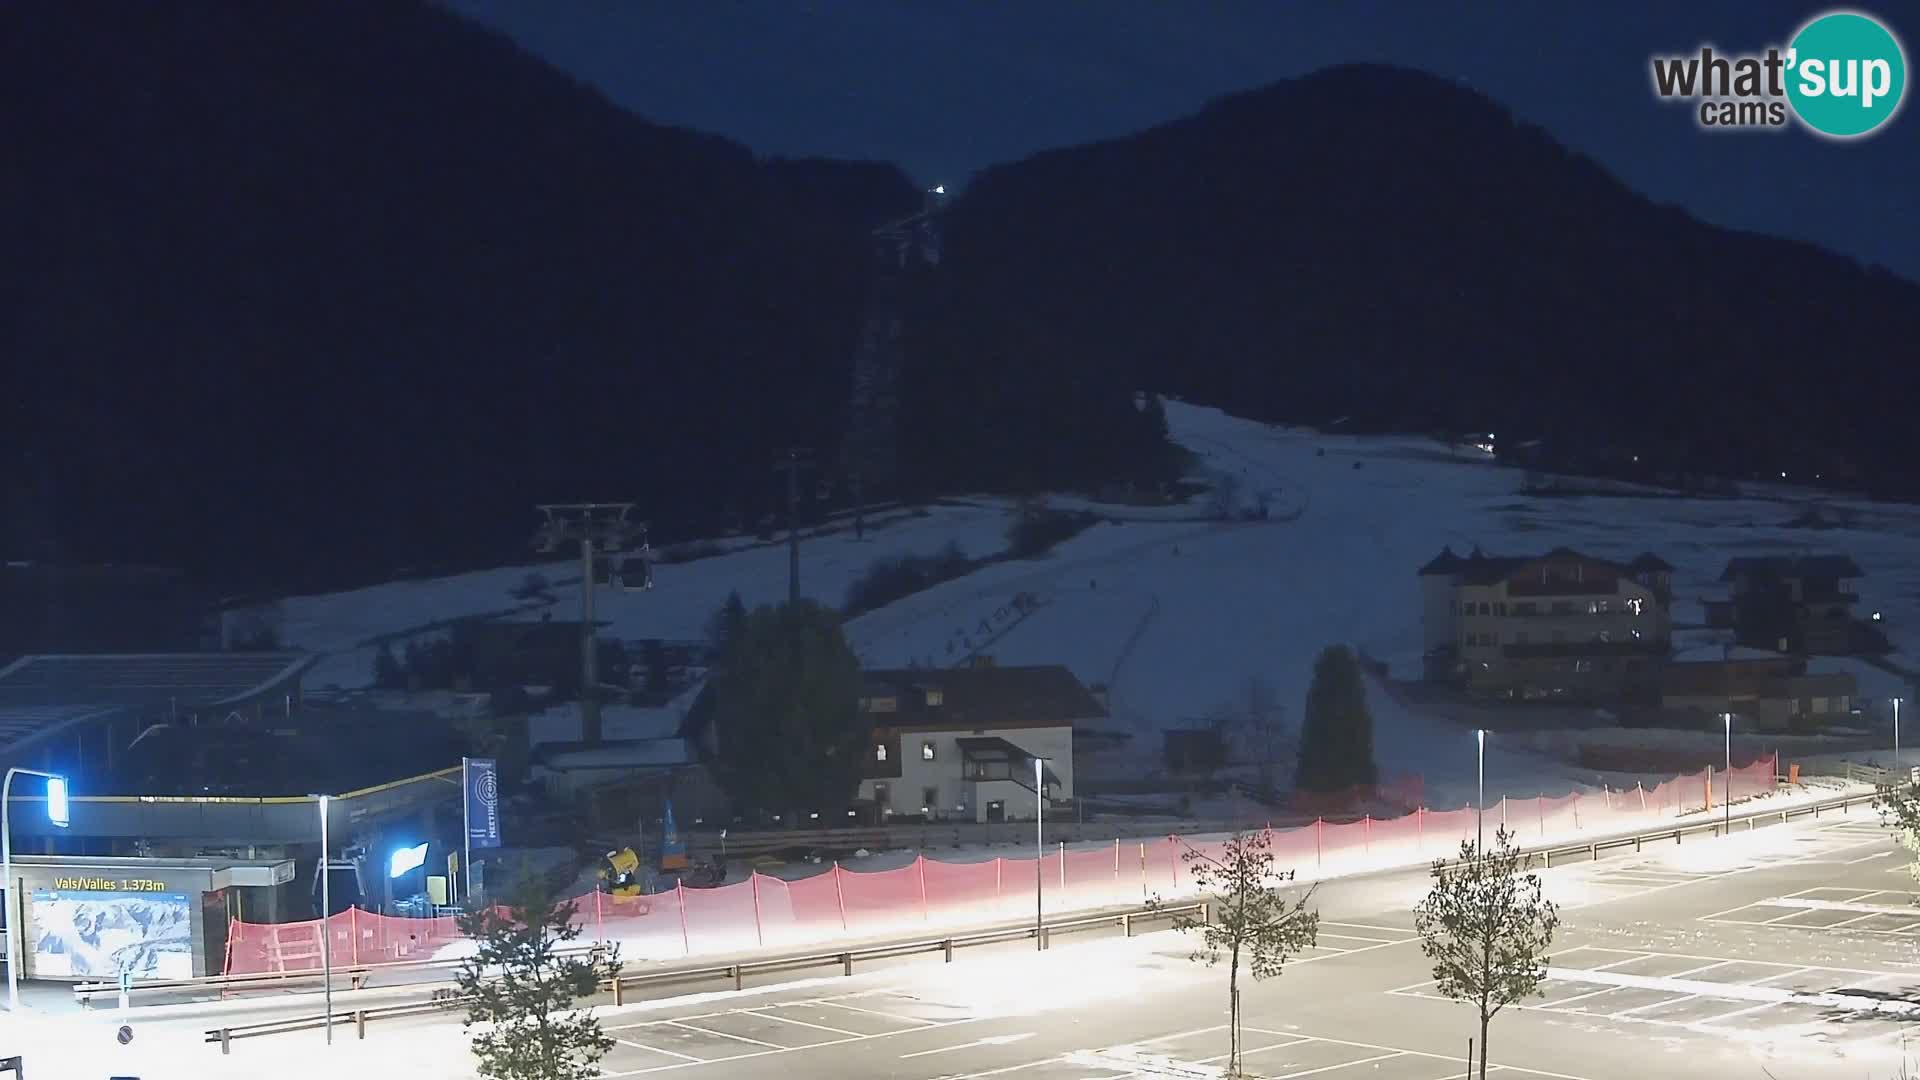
(1786, 952)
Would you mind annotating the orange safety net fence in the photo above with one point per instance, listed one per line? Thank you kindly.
(930, 895)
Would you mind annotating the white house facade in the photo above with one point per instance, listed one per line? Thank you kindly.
(963, 744)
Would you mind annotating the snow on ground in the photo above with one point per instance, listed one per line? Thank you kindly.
(684, 597)
(1175, 615)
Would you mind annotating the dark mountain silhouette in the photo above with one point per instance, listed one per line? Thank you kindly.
(300, 294)
(1386, 245)
(295, 296)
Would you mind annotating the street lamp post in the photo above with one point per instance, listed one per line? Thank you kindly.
(57, 813)
(1726, 784)
(1480, 814)
(326, 920)
(1896, 734)
(1039, 853)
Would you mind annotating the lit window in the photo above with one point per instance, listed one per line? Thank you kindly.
(1634, 605)
(926, 751)
(879, 753)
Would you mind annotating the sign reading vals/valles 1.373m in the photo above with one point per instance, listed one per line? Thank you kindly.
(101, 884)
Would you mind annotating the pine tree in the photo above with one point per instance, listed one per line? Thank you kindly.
(520, 986)
(1336, 738)
(724, 629)
(1486, 926)
(786, 710)
(387, 672)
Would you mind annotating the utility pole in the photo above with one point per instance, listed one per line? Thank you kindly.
(605, 526)
(792, 461)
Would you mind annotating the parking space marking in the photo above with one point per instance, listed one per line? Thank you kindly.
(1860, 903)
(1397, 1051)
(1342, 1065)
(762, 1011)
(1850, 996)
(1357, 937)
(730, 1035)
(877, 1012)
(657, 1050)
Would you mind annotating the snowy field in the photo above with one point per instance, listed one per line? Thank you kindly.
(1175, 616)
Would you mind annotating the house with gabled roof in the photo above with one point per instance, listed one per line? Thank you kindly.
(962, 743)
(1563, 625)
(1789, 603)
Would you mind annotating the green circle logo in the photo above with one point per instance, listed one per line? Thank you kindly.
(1847, 74)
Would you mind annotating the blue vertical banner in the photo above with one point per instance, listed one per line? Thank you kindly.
(482, 783)
(673, 846)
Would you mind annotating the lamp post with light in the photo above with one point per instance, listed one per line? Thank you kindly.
(1039, 855)
(1726, 785)
(57, 812)
(326, 918)
(1480, 814)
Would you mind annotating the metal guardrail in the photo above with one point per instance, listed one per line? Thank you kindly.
(1592, 849)
(444, 1000)
(358, 974)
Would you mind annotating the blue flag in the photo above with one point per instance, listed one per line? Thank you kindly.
(482, 783)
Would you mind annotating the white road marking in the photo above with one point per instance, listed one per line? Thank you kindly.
(1413, 1053)
(1739, 992)
(730, 1035)
(1367, 926)
(991, 1040)
(1357, 937)
(762, 1011)
(1295, 1041)
(1806, 904)
(1870, 858)
(657, 1050)
(888, 1015)
(1342, 1065)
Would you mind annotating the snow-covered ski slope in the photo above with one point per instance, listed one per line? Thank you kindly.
(1176, 613)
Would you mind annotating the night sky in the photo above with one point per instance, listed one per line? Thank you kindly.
(946, 89)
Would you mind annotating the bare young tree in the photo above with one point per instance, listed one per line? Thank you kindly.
(1486, 926)
(1249, 918)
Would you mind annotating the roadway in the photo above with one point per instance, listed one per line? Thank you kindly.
(1790, 951)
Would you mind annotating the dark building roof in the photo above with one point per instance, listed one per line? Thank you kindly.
(42, 694)
(1480, 568)
(1791, 566)
(980, 698)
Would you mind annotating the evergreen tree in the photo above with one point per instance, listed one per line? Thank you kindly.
(1336, 739)
(387, 672)
(521, 988)
(724, 629)
(786, 710)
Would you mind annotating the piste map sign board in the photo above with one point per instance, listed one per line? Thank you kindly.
(481, 780)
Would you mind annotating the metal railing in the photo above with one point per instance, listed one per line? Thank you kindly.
(359, 975)
(1714, 825)
(844, 959)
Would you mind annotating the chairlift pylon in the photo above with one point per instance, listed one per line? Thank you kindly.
(634, 573)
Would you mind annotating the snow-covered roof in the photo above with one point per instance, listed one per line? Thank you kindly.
(620, 754)
(561, 723)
